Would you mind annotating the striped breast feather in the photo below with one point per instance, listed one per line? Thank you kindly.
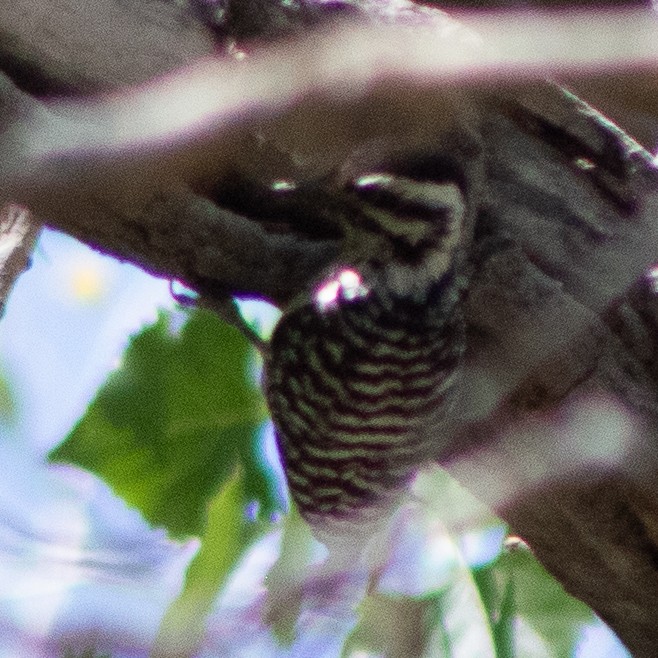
(349, 419)
(357, 366)
(420, 214)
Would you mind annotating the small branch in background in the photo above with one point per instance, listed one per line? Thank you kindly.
(18, 233)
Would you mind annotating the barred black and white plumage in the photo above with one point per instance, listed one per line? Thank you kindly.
(367, 360)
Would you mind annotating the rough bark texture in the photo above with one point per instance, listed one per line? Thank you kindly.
(72, 47)
(560, 311)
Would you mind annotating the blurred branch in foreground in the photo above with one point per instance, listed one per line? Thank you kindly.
(115, 171)
(565, 227)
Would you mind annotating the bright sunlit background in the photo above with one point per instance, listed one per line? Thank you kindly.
(79, 569)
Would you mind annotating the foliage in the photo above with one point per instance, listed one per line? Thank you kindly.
(541, 600)
(7, 401)
(170, 424)
(512, 587)
(174, 432)
(223, 542)
(286, 576)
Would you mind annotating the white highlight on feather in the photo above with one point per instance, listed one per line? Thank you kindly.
(652, 275)
(327, 295)
(283, 185)
(373, 180)
(345, 284)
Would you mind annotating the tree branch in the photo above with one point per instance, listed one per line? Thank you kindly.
(565, 222)
(65, 46)
(105, 171)
(18, 233)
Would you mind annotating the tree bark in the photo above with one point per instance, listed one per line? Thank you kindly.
(562, 319)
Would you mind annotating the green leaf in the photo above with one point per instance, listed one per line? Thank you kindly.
(503, 626)
(496, 588)
(286, 578)
(226, 537)
(393, 625)
(169, 426)
(8, 408)
(543, 603)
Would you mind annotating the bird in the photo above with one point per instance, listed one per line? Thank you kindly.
(366, 361)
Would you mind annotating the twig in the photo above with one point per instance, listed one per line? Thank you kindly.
(18, 233)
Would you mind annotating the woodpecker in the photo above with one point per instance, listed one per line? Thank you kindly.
(365, 361)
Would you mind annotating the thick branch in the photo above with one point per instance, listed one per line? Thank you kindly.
(105, 172)
(568, 457)
(64, 46)
(566, 222)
